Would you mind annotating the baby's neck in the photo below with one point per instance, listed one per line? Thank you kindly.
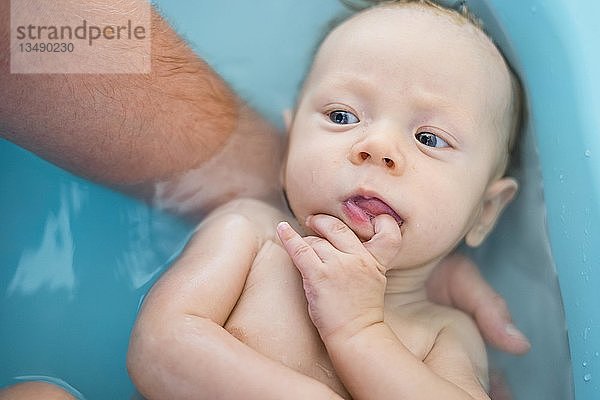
(407, 286)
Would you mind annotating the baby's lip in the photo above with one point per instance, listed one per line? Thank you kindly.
(373, 206)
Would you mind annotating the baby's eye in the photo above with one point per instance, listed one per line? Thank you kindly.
(343, 117)
(431, 140)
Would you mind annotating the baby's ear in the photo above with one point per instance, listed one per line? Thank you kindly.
(497, 196)
(288, 117)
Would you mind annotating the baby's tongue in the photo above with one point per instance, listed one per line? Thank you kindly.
(374, 206)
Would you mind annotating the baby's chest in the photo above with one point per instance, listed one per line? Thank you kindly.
(271, 307)
(271, 316)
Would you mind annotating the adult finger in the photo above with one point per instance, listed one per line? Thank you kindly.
(303, 255)
(496, 326)
(385, 243)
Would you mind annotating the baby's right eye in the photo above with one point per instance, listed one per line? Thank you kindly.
(342, 117)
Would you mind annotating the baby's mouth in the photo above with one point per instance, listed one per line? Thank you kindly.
(370, 207)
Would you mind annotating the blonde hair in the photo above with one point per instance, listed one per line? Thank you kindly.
(461, 12)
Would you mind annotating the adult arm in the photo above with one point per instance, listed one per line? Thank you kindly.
(179, 349)
(133, 131)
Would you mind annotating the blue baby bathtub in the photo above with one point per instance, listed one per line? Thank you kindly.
(76, 259)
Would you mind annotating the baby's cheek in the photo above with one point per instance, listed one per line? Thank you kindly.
(449, 222)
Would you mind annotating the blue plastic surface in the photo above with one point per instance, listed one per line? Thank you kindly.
(557, 53)
(76, 258)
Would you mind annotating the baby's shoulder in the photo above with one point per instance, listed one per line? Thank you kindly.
(261, 216)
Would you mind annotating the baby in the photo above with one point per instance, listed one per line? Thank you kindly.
(397, 152)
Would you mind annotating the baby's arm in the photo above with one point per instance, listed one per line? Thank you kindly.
(373, 363)
(344, 282)
(458, 355)
(179, 349)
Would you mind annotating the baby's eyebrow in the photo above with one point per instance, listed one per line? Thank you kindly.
(427, 99)
(350, 82)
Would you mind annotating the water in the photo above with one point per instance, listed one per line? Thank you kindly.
(76, 259)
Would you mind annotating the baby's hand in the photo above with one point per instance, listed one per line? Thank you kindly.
(344, 279)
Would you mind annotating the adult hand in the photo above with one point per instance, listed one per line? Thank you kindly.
(344, 279)
(456, 282)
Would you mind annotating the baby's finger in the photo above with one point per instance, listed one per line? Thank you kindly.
(336, 232)
(386, 241)
(303, 255)
(322, 247)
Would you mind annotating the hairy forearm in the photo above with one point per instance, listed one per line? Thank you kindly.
(120, 128)
(192, 357)
(247, 165)
(132, 130)
(374, 364)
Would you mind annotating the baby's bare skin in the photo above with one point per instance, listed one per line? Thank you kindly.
(35, 391)
(270, 313)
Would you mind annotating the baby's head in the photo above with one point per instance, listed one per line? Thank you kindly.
(409, 110)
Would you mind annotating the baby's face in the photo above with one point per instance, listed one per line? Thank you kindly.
(405, 112)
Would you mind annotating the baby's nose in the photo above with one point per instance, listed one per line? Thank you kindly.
(387, 161)
(375, 150)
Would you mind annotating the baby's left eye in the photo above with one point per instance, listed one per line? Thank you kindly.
(431, 139)
(343, 117)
